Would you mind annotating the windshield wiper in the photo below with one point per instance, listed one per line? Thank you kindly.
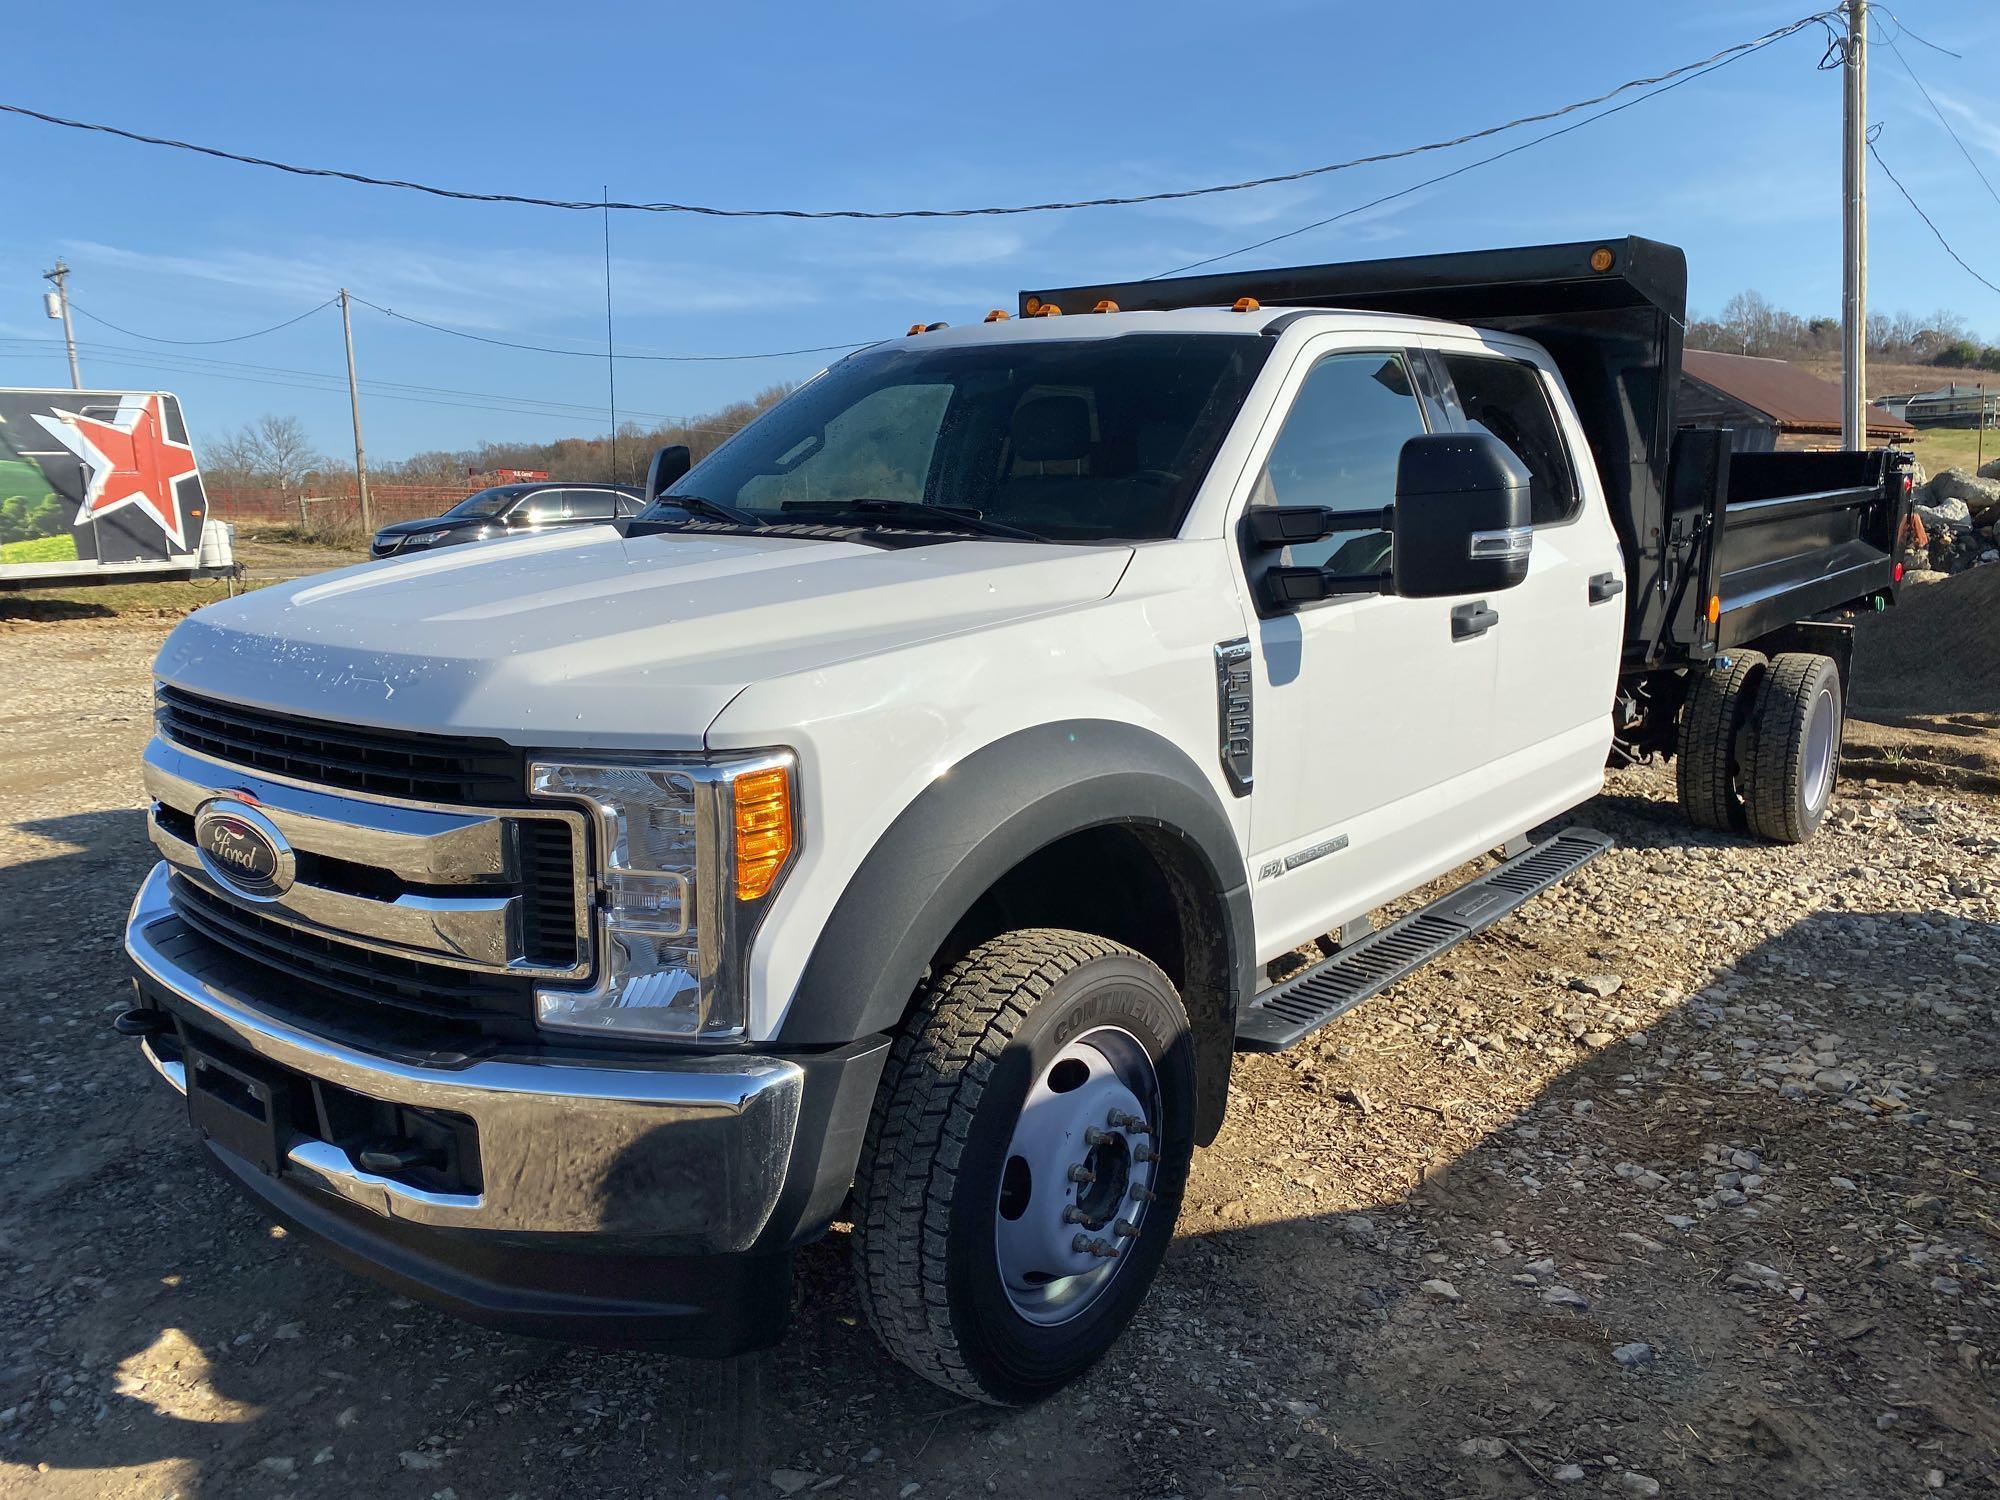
(913, 510)
(701, 505)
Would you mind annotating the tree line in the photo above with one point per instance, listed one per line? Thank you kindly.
(275, 452)
(1750, 324)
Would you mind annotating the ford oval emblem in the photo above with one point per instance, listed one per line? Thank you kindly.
(243, 849)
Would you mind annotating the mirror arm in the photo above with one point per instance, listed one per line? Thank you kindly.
(1287, 588)
(1275, 526)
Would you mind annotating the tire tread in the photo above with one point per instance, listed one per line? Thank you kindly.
(938, 1071)
(1706, 760)
(1772, 747)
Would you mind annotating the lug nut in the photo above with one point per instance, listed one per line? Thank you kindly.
(1144, 1153)
(1092, 1136)
(1083, 1244)
(1125, 1229)
(1075, 1215)
(1080, 1173)
(1143, 1194)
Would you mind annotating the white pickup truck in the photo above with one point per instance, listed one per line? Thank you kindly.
(894, 825)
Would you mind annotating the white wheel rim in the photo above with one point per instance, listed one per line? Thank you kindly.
(1822, 749)
(1060, 1241)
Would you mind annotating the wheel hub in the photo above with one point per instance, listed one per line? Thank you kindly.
(1822, 750)
(1079, 1175)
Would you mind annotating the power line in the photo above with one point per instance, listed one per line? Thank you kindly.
(1962, 151)
(1903, 30)
(1678, 77)
(313, 380)
(461, 333)
(712, 211)
(234, 339)
(1928, 222)
(390, 312)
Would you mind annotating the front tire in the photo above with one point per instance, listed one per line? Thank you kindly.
(986, 1264)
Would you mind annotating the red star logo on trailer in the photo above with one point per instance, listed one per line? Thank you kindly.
(129, 459)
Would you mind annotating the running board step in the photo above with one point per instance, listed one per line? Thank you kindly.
(1287, 1013)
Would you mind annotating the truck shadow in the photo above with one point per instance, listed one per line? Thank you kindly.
(161, 1322)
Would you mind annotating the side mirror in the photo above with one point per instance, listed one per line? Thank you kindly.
(668, 465)
(1463, 522)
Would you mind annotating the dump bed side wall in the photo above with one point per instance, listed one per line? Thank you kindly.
(1803, 533)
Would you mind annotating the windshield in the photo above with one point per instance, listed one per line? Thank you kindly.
(1076, 440)
(485, 503)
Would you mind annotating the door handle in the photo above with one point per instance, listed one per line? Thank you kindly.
(1469, 620)
(1605, 586)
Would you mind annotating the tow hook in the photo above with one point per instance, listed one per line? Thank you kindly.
(141, 1022)
(392, 1158)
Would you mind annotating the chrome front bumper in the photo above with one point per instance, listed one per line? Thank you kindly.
(687, 1151)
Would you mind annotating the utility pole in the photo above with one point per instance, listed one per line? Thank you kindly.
(354, 402)
(60, 297)
(1854, 233)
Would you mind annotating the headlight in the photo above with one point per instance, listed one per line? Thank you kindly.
(425, 538)
(689, 856)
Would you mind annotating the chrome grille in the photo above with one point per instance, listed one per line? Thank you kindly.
(440, 909)
(417, 767)
(338, 969)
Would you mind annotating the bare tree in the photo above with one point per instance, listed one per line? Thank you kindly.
(274, 449)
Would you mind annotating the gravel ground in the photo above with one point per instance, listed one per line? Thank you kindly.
(1682, 1181)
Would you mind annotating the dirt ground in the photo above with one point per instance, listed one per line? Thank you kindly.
(1682, 1181)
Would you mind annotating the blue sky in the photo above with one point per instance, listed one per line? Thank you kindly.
(944, 103)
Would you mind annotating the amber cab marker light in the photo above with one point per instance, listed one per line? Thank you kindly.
(998, 315)
(1045, 310)
(1247, 304)
(1714, 608)
(915, 329)
(1601, 259)
(1105, 304)
(763, 830)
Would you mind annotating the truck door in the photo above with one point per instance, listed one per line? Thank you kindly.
(1367, 714)
(1560, 632)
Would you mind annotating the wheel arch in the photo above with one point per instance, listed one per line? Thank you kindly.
(1082, 823)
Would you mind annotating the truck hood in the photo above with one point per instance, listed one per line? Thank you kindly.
(581, 636)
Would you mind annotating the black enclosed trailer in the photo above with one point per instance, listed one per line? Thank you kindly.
(1720, 549)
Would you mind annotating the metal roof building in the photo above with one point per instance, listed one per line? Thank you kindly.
(1770, 404)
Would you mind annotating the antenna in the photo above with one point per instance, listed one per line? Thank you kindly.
(610, 358)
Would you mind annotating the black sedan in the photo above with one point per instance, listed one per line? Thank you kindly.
(509, 510)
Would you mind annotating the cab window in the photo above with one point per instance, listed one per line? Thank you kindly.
(1339, 448)
(1509, 399)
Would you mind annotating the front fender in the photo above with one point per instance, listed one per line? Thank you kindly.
(968, 828)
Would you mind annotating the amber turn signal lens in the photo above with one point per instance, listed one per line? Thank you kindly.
(763, 830)
(1714, 608)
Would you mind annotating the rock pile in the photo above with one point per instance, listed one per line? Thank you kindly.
(1954, 521)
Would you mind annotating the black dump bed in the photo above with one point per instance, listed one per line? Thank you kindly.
(1773, 538)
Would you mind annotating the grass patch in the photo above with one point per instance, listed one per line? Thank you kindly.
(112, 601)
(1940, 448)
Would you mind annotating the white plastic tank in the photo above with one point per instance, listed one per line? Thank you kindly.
(218, 545)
